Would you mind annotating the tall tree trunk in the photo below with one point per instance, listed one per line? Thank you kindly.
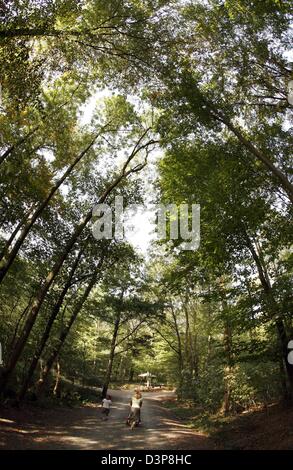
(20, 319)
(261, 156)
(278, 174)
(9, 258)
(284, 340)
(64, 333)
(226, 407)
(186, 339)
(48, 328)
(56, 390)
(274, 311)
(120, 371)
(15, 232)
(111, 356)
(189, 343)
(283, 379)
(131, 374)
(193, 342)
(180, 354)
(17, 144)
(209, 336)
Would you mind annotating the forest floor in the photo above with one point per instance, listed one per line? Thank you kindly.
(262, 429)
(33, 427)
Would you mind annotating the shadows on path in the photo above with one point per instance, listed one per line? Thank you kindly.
(82, 428)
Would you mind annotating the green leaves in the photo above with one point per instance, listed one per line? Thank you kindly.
(120, 112)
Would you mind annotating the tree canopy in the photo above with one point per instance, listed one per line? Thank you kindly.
(93, 94)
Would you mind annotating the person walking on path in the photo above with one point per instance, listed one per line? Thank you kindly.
(135, 408)
(106, 406)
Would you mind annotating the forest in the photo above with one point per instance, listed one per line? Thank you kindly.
(165, 102)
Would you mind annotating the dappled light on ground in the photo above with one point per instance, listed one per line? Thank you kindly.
(82, 428)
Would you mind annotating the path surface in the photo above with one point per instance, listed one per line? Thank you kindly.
(82, 428)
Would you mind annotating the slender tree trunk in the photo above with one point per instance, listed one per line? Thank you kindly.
(17, 144)
(193, 342)
(226, 407)
(17, 229)
(9, 258)
(131, 374)
(209, 337)
(180, 354)
(112, 355)
(48, 328)
(21, 317)
(278, 174)
(261, 156)
(283, 379)
(64, 333)
(187, 337)
(56, 390)
(41, 367)
(274, 311)
(284, 340)
(189, 344)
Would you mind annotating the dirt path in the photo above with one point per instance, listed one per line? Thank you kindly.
(82, 428)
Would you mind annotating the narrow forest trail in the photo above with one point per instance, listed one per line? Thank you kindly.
(82, 428)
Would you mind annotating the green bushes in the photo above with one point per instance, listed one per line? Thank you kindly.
(248, 384)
